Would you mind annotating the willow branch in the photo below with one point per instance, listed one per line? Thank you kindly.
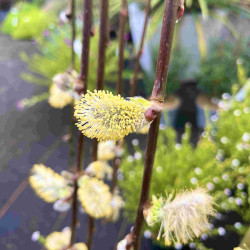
(73, 33)
(122, 29)
(158, 92)
(18, 191)
(103, 43)
(90, 232)
(140, 51)
(14, 196)
(119, 85)
(73, 36)
(82, 88)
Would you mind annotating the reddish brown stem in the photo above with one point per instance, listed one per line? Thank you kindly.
(167, 32)
(139, 53)
(83, 79)
(103, 43)
(91, 229)
(14, 196)
(122, 30)
(25, 182)
(86, 32)
(168, 24)
(116, 164)
(73, 34)
(119, 85)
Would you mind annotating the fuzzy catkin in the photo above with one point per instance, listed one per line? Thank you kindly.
(104, 116)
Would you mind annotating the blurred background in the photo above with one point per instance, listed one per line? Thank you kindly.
(205, 126)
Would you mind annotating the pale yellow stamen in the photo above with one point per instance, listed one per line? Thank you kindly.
(104, 116)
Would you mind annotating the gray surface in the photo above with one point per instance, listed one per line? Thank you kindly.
(28, 137)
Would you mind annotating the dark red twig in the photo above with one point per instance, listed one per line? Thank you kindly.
(83, 83)
(25, 182)
(140, 51)
(14, 196)
(73, 32)
(122, 29)
(90, 232)
(119, 85)
(103, 43)
(158, 93)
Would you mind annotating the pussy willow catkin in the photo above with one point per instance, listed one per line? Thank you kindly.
(104, 116)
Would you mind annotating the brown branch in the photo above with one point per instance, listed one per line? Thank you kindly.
(103, 43)
(90, 232)
(119, 85)
(86, 32)
(167, 32)
(73, 34)
(14, 196)
(140, 51)
(122, 29)
(116, 164)
(25, 182)
(83, 81)
(158, 92)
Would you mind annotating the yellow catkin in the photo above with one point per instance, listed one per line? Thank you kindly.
(106, 117)
(59, 98)
(47, 184)
(182, 218)
(106, 151)
(95, 197)
(99, 169)
(61, 240)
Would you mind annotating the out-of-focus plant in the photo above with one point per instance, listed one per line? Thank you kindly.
(94, 194)
(177, 69)
(55, 55)
(220, 163)
(27, 21)
(206, 7)
(58, 240)
(218, 71)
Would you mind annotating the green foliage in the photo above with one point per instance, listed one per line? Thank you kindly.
(202, 5)
(220, 163)
(55, 57)
(26, 21)
(178, 65)
(218, 71)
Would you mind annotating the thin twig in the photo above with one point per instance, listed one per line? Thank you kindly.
(90, 232)
(116, 164)
(71, 16)
(158, 93)
(14, 196)
(73, 33)
(140, 51)
(83, 80)
(103, 43)
(25, 182)
(122, 29)
(119, 85)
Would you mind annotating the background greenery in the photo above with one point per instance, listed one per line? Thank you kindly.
(220, 163)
